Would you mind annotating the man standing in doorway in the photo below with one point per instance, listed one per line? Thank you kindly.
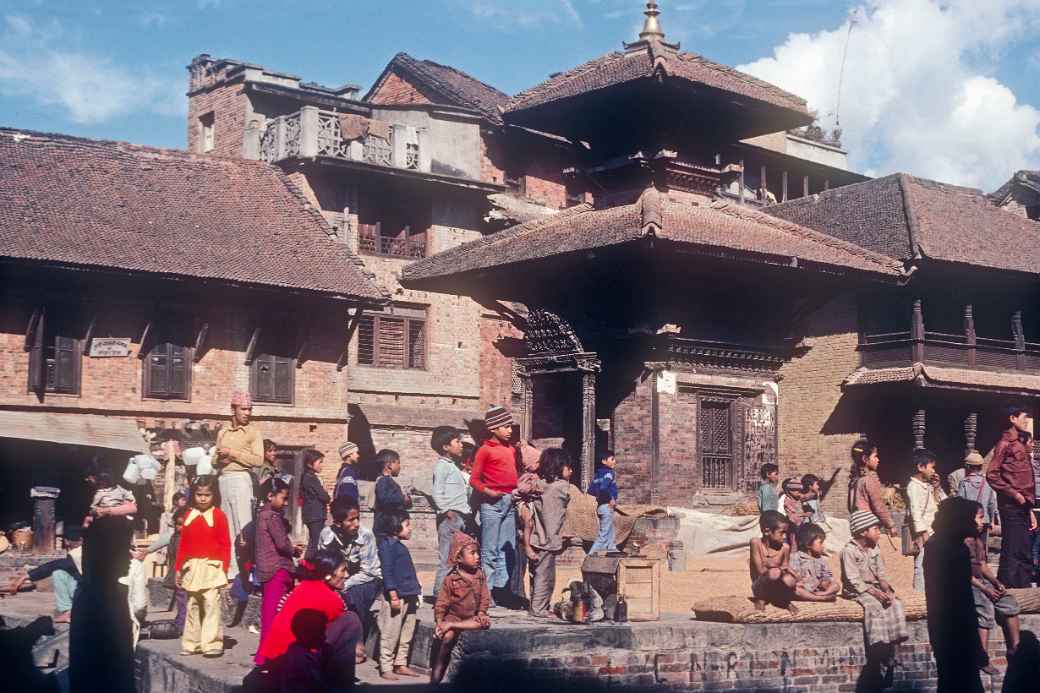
(239, 449)
(1011, 476)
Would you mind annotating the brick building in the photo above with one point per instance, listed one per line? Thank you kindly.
(141, 287)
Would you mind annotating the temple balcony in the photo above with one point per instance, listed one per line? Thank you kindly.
(312, 133)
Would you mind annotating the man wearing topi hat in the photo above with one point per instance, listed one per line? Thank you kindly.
(239, 449)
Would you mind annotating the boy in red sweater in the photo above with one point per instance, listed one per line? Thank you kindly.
(494, 478)
(201, 569)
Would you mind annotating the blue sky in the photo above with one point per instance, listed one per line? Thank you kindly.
(937, 87)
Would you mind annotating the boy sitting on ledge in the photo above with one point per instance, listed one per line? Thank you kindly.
(772, 581)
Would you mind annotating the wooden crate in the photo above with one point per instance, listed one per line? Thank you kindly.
(639, 582)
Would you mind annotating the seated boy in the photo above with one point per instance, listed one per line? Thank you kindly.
(772, 581)
(816, 582)
(863, 579)
(992, 601)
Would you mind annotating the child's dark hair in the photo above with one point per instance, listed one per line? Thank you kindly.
(551, 462)
(395, 522)
(861, 450)
(208, 481)
(771, 519)
(604, 456)
(342, 506)
(320, 565)
(442, 436)
(386, 457)
(177, 495)
(808, 480)
(180, 514)
(767, 469)
(1015, 410)
(469, 451)
(807, 534)
(269, 445)
(923, 457)
(272, 486)
(310, 456)
(104, 479)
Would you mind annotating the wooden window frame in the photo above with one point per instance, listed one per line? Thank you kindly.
(41, 340)
(254, 375)
(735, 451)
(146, 376)
(408, 316)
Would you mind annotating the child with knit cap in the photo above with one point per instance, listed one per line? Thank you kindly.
(462, 603)
(494, 478)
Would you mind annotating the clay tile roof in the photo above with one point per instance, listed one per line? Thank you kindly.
(457, 87)
(904, 217)
(91, 203)
(930, 375)
(717, 229)
(636, 63)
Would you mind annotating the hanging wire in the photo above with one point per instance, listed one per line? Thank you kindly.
(853, 21)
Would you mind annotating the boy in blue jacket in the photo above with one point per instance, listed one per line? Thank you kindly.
(604, 488)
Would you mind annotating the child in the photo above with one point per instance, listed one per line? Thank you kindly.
(865, 486)
(816, 582)
(768, 498)
(402, 591)
(111, 499)
(924, 496)
(315, 498)
(65, 574)
(604, 488)
(462, 604)
(346, 477)
(811, 493)
(494, 478)
(863, 580)
(791, 506)
(974, 487)
(450, 495)
(390, 498)
(274, 552)
(544, 541)
(992, 601)
(528, 490)
(307, 663)
(203, 556)
(772, 581)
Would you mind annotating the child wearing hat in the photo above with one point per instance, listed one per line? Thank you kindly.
(346, 477)
(494, 479)
(974, 487)
(791, 506)
(863, 580)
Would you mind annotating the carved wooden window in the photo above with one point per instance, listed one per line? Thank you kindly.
(394, 338)
(716, 443)
(54, 355)
(167, 371)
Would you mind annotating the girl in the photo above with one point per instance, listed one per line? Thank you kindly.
(201, 569)
(865, 486)
(401, 589)
(462, 603)
(321, 579)
(274, 552)
(314, 497)
(545, 541)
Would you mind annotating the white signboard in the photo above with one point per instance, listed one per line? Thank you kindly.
(107, 347)
(666, 382)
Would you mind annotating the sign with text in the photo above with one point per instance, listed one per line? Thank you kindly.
(108, 347)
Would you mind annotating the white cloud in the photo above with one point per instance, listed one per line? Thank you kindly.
(91, 89)
(507, 14)
(918, 94)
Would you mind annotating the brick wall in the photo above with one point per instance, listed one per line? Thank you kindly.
(399, 90)
(496, 369)
(230, 107)
(815, 432)
(544, 183)
(631, 427)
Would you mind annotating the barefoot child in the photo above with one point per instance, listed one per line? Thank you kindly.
(390, 498)
(462, 603)
(401, 589)
(544, 541)
(772, 581)
(992, 601)
(203, 555)
(863, 579)
(816, 582)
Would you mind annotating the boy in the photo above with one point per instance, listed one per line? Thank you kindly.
(1010, 474)
(816, 582)
(346, 477)
(65, 574)
(924, 496)
(604, 488)
(974, 487)
(768, 498)
(544, 540)
(462, 603)
(863, 580)
(992, 601)
(389, 496)
(450, 495)
(364, 573)
(112, 499)
(494, 478)
(401, 589)
(772, 581)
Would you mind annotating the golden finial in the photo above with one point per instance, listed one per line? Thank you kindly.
(651, 27)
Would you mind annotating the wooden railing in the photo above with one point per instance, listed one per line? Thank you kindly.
(372, 241)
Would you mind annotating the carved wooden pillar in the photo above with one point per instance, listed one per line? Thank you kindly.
(969, 332)
(971, 429)
(588, 427)
(526, 405)
(917, 331)
(919, 427)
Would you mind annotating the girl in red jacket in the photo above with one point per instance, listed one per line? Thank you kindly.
(201, 568)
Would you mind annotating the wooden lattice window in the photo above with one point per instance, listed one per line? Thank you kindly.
(716, 443)
(394, 338)
(167, 371)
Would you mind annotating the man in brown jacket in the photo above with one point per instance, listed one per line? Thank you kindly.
(1011, 476)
